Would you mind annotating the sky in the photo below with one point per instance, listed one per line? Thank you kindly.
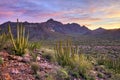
(92, 13)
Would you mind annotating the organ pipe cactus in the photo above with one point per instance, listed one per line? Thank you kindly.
(20, 44)
(66, 54)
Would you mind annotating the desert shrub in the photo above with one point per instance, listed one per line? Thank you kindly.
(64, 53)
(101, 59)
(48, 56)
(49, 77)
(48, 53)
(110, 63)
(58, 74)
(62, 74)
(100, 75)
(74, 73)
(67, 55)
(32, 47)
(20, 44)
(34, 56)
(34, 67)
(37, 76)
(91, 78)
(3, 39)
(115, 77)
(113, 64)
(35, 45)
(1, 60)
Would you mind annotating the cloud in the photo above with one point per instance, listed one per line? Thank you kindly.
(88, 12)
(6, 14)
(113, 14)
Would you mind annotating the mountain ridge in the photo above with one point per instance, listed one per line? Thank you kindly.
(52, 29)
(51, 19)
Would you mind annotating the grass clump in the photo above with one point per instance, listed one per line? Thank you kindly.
(48, 56)
(59, 74)
(115, 77)
(112, 64)
(3, 39)
(20, 44)
(34, 56)
(67, 54)
(34, 67)
(1, 61)
(100, 75)
(35, 45)
(62, 74)
(50, 77)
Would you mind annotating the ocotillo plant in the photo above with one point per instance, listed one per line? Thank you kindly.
(20, 44)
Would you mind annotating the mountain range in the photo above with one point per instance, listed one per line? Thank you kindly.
(51, 30)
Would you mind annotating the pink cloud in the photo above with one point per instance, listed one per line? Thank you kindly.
(6, 13)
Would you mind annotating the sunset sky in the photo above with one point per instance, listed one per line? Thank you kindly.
(92, 13)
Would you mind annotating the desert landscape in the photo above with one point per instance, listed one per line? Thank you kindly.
(53, 40)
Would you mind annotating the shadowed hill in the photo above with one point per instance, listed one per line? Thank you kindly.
(52, 30)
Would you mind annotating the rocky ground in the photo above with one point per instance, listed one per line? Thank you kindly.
(19, 68)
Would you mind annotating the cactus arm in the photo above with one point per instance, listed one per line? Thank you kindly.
(11, 36)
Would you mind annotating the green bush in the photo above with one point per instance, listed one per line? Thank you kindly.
(32, 47)
(100, 75)
(75, 73)
(48, 56)
(64, 53)
(67, 55)
(20, 44)
(110, 63)
(34, 57)
(58, 74)
(62, 74)
(34, 67)
(35, 45)
(115, 77)
(50, 77)
(3, 39)
(1, 61)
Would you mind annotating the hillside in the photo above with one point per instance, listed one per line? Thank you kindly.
(51, 30)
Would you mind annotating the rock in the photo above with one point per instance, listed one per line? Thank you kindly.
(27, 55)
(15, 71)
(46, 66)
(108, 75)
(26, 59)
(99, 68)
(13, 57)
(18, 67)
(4, 54)
(93, 73)
(20, 58)
(39, 53)
(6, 76)
(42, 73)
(38, 58)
